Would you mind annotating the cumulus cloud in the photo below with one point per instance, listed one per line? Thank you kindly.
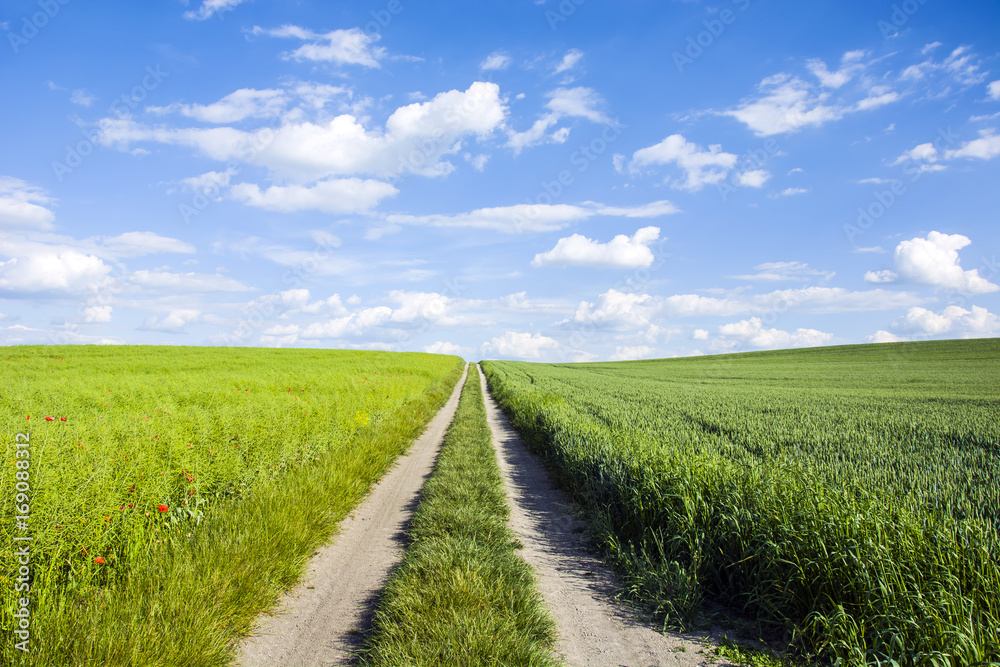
(882, 336)
(934, 261)
(518, 345)
(701, 167)
(618, 310)
(416, 138)
(785, 104)
(343, 47)
(753, 333)
(994, 90)
(622, 252)
(976, 322)
(53, 270)
(986, 147)
(24, 206)
(441, 347)
(95, 314)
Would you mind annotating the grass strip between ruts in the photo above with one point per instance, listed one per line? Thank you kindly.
(463, 595)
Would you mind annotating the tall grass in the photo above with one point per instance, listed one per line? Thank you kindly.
(844, 497)
(462, 595)
(278, 444)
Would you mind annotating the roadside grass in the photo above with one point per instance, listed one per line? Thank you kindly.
(180, 589)
(462, 595)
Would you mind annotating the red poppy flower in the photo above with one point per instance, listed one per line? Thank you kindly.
(28, 417)
(190, 478)
(62, 419)
(162, 508)
(99, 560)
(50, 419)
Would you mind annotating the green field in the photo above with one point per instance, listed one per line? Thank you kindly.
(173, 491)
(845, 499)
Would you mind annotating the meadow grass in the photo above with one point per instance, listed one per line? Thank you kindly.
(462, 595)
(845, 499)
(256, 455)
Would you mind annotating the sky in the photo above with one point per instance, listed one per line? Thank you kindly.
(546, 180)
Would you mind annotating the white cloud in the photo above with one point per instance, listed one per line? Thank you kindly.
(618, 310)
(94, 314)
(48, 270)
(211, 7)
(882, 336)
(23, 205)
(134, 244)
(975, 323)
(173, 322)
(569, 61)
(520, 345)
(884, 276)
(344, 47)
(753, 333)
(416, 138)
(754, 178)
(186, 282)
(700, 166)
(789, 192)
(700, 334)
(579, 102)
(334, 195)
(82, 98)
(442, 347)
(785, 104)
(631, 352)
(495, 61)
(779, 271)
(522, 218)
(934, 261)
(986, 147)
(850, 67)
(994, 90)
(621, 252)
(236, 106)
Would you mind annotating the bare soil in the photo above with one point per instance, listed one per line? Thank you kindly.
(594, 628)
(322, 620)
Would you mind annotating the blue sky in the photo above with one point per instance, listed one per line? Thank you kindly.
(540, 180)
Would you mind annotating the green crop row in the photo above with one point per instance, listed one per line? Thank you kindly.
(845, 498)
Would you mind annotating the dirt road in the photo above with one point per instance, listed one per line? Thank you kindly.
(320, 622)
(593, 628)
